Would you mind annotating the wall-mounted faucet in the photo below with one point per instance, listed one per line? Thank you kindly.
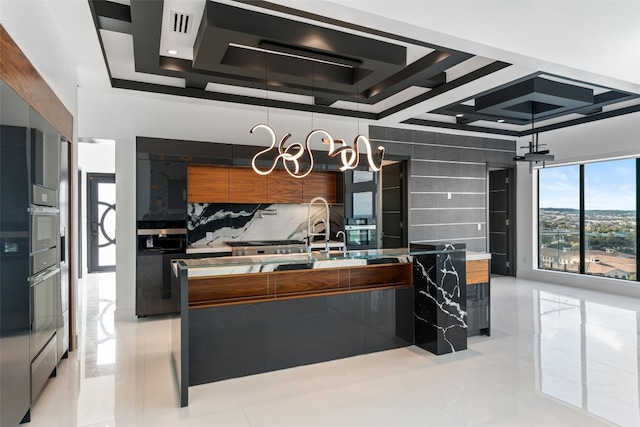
(311, 228)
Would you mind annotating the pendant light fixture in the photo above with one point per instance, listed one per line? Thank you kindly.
(292, 153)
(534, 155)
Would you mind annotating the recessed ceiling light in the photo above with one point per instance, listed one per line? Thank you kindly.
(172, 52)
(500, 120)
(459, 115)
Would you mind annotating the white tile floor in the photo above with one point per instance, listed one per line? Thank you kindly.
(557, 356)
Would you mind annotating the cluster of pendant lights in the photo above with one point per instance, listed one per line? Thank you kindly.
(291, 154)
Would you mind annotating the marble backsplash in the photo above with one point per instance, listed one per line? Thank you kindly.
(237, 222)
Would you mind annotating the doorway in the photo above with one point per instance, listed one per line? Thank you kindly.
(502, 226)
(394, 205)
(101, 222)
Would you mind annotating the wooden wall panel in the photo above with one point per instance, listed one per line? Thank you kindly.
(283, 188)
(18, 72)
(477, 271)
(246, 186)
(207, 184)
(321, 184)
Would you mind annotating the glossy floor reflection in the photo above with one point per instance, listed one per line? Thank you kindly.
(557, 356)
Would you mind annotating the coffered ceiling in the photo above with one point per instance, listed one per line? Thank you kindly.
(262, 53)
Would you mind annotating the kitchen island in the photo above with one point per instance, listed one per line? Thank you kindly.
(251, 314)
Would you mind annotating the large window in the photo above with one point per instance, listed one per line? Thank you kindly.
(587, 218)
(559, 218)
(610, 219)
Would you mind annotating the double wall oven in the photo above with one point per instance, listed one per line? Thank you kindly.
(44, 283)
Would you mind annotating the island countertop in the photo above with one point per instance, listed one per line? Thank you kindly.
(267, 263)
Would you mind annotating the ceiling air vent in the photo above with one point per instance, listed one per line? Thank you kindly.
(181, 22)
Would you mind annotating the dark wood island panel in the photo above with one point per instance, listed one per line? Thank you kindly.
(207, 291)
(231, 289)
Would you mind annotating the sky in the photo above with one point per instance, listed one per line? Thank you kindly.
(608, 185)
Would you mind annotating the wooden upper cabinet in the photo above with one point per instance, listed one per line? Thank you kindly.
(246, 186)
(207, 184)
(321, 184)
(228, 184)
(283, 188)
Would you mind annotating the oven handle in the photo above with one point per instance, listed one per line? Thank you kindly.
(47, 274)
(42, 210)
(359, 227)
(161, 231)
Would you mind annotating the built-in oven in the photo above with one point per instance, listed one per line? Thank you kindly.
(44, 228)
(45, 290)
(360, 233)
(165, 240)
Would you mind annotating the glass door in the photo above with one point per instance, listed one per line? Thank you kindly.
(101, 221)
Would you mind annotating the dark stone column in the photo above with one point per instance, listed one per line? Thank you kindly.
(439, 281)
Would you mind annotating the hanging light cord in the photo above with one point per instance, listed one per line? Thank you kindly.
(266, 85)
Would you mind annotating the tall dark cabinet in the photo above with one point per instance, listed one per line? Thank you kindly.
(161, 195)
(33, 322)
(15, 321)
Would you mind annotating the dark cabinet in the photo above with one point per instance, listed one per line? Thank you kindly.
(45, 153)
(478, 297)
(161, 188)
(15, 392)
(154, 293)
(478, 309)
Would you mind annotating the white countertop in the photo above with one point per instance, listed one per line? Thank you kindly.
(209, 249)
(475, 256)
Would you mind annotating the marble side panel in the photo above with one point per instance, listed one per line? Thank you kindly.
(440, 301)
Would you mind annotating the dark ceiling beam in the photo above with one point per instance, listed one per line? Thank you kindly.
(113, 16)
(146, 17)
(582, 120)
(456, 126)
(418, 73)
(238, 99)
(196, 83)
(96, 24)
(467, 78)
(339, 23)
(181, 68)
(537, 98)
(470, 115)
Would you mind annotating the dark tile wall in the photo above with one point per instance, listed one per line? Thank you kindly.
(440, 164)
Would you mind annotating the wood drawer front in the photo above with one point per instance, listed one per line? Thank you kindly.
(283, 188)
(208, 290)
(381, 275)
(246, 186)
(321, 184)
(306, 281)
(477, 271)
(207, 184)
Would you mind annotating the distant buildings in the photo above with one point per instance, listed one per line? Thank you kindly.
(606, 263)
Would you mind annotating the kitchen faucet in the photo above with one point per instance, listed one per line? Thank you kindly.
(311, 228)
(344, 240)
